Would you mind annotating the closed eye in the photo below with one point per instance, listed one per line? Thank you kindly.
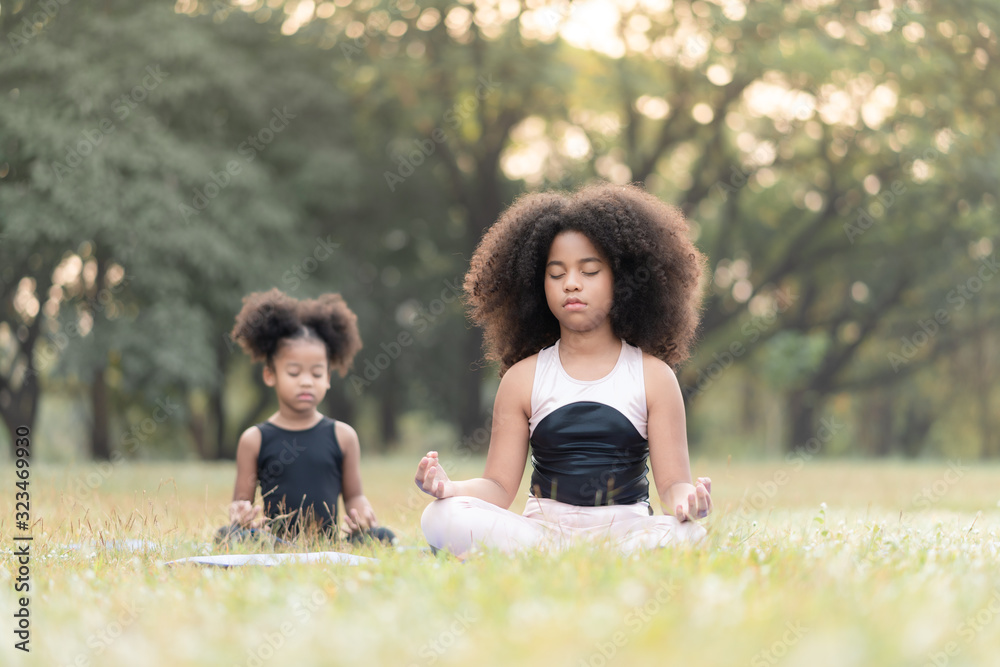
(557, 277)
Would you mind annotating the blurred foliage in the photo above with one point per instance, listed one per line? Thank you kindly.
(839, 162)
(789, 358)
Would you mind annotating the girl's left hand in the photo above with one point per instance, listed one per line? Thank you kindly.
(359, 515)
(245, 514)
(698, 504)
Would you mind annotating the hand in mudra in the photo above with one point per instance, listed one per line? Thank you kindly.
(244, 513)
(698, 504)
(432, 479)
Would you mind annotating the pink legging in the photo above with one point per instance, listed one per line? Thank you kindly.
(460, 523)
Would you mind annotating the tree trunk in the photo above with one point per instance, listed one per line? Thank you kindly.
(19, 408)
(224, 449)
(19, 404)
(388, 418)
(984, 388)
(989, 371)
(470, 416)
(197, 428)
(917, 423)
(802, 417)
(196, 425)
(751, 409)
(100, 444)
(338, 406)
(489, 206)
(877, 430)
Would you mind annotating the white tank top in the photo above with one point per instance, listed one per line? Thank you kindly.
(623, 389)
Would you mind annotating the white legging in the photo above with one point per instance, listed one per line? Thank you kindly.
(460, 523)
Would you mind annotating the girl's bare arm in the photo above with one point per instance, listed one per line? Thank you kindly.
(241, 510)
(668, 447)
(358, 512)
(508, 450)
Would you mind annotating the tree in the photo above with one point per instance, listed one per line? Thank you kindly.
(141, 152)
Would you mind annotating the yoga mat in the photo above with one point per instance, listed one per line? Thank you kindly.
(268, 560)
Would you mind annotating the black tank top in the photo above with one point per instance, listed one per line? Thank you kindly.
(300, 472)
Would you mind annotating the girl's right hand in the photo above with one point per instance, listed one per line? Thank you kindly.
(432, 479)
(242, 512)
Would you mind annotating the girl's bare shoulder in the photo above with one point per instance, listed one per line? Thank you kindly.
(517, 383)
(657, 366)
(658, 376)
(522, 372)
(250, 439)
(347, 437)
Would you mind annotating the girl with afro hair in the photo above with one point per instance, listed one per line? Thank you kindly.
(588, 301)
(302, 460)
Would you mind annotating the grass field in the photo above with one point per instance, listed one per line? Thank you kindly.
(808, 563)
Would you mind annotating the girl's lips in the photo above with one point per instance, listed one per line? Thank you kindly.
(304, 397)
(575, 305)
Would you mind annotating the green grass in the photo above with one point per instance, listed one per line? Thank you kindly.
(831, 564)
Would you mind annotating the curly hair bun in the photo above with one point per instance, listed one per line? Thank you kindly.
(336, 325)
(268, 318)
(265, 319)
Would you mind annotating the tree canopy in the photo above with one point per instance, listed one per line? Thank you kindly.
(838, 162)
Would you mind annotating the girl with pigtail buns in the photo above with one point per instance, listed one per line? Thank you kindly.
(587, 301)
(302, 460)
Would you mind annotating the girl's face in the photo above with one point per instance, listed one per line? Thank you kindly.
(579, 284)
(301, 374)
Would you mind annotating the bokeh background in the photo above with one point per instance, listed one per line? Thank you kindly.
(839, 163)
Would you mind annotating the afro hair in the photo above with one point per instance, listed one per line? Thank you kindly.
(657, 271)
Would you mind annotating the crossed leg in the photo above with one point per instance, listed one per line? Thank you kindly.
(458, 524)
